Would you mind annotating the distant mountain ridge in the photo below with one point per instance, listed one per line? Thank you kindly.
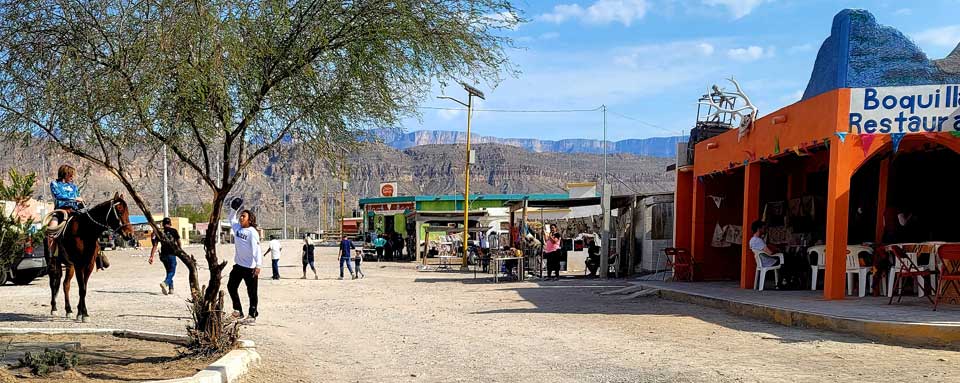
(651, 147)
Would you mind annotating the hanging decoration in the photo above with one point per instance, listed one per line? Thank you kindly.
(955, 134)
(866, 140)
(826, 141)
(800, 151)
(750, 155)
(842, 135)
(896, 137)
(717, 200)
(776, 145)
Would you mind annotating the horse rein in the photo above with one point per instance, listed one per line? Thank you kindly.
(113, 209)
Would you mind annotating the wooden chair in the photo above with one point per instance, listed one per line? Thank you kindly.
(908, 269)
(947, 253)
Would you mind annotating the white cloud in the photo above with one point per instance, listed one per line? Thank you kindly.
(706, 49)
(751, 53)
(601, 12)
(800, 48)
(943, 36)
(739, 8)
(549, 36)
(903, 12)
(447, 115)
(638, 56)
(507, 20)
(793, 96)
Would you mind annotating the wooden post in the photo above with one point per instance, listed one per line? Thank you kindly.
(698, 238)
(683, 210)
(751, 213)
(636, 226)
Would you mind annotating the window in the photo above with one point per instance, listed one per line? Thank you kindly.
(661, 225)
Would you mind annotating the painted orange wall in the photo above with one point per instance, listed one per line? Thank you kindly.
(809, 120)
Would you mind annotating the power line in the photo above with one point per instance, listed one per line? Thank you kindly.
(621, 115)
(516, 110)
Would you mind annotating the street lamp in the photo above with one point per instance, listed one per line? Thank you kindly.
(471, 92)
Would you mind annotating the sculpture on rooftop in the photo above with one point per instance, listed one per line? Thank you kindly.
(722, 107)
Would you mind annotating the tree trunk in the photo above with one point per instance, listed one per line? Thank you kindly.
(211, 296)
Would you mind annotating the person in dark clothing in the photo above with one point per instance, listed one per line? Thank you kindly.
(345, 250)
(167, 254)
(308, 258)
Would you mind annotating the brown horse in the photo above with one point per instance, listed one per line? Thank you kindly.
(79, 246)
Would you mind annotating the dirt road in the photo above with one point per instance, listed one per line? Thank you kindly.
(401, 325)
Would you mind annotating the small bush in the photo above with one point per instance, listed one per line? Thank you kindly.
(48, 361)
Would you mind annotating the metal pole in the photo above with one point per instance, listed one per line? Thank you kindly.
(466, 188)
(166, 198)
(284, 181)
(605, 206)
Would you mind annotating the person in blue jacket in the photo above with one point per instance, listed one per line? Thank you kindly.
(66, 196)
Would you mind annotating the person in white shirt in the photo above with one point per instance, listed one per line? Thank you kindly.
(758, 245)
(247, 260)
(273, 248)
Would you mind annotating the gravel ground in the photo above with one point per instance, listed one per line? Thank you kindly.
(398, 324)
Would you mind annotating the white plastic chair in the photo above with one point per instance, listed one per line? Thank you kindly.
(762, 271)
(853, 267)
(820, 251)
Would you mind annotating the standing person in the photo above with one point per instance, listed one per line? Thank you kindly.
(397, 246)
(345, 247)
(388, 246)
(274, 250)
(247, 260)
(552, 251)
(308, 249)
(167, 255)
(378, 244)
(356, 262)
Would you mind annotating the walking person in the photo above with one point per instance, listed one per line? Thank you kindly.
(167, 254)
(356, 262)
(345, 247)
(308, 250)
(247, 260)
(378, 244)
(274, 249)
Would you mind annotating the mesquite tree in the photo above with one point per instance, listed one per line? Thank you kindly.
(221, 82)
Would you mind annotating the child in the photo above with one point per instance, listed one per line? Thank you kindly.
(356, 262)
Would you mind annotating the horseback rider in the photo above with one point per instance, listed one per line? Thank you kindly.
(66, 195)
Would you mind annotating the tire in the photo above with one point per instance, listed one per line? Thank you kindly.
(21, 280)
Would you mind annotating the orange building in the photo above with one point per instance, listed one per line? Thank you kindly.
(872, 136)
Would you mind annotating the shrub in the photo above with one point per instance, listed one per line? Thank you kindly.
(48, 361)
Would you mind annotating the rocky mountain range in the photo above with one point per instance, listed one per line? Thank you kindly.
(653, 147)
(311, 188)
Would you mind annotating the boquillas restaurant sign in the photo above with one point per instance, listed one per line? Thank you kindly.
(905, 109)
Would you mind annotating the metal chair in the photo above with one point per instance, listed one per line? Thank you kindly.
(681, 262)
(908, 269)
(947, 253)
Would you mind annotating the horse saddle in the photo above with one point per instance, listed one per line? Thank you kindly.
(63, 216)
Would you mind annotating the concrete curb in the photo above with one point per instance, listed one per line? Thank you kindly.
(228, 369)
(887, 332)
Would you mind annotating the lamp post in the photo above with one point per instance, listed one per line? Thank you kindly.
(471, 92)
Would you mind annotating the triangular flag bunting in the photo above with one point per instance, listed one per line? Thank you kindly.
(826, 141)
(776, 145)
(866, 140)
(750, 155)
(896, 137)
(843, 136)
(955, 134)
(800, 152)
(717, 200)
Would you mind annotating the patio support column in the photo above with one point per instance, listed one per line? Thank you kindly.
(838, 214)
(882, 197)
(751, 213)
(699, 231)
(683, 210)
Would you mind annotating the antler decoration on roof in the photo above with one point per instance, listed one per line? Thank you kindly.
(727, 106)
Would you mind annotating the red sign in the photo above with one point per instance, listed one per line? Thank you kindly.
(386, 190)
(390, 206)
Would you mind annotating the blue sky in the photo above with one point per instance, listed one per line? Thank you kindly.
(650, 60)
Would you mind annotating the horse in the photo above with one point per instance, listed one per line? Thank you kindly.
(78, 246)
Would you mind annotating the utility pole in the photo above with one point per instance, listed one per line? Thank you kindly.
(283, 178)
(471, 93)
(166, 198)
(605, 206)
